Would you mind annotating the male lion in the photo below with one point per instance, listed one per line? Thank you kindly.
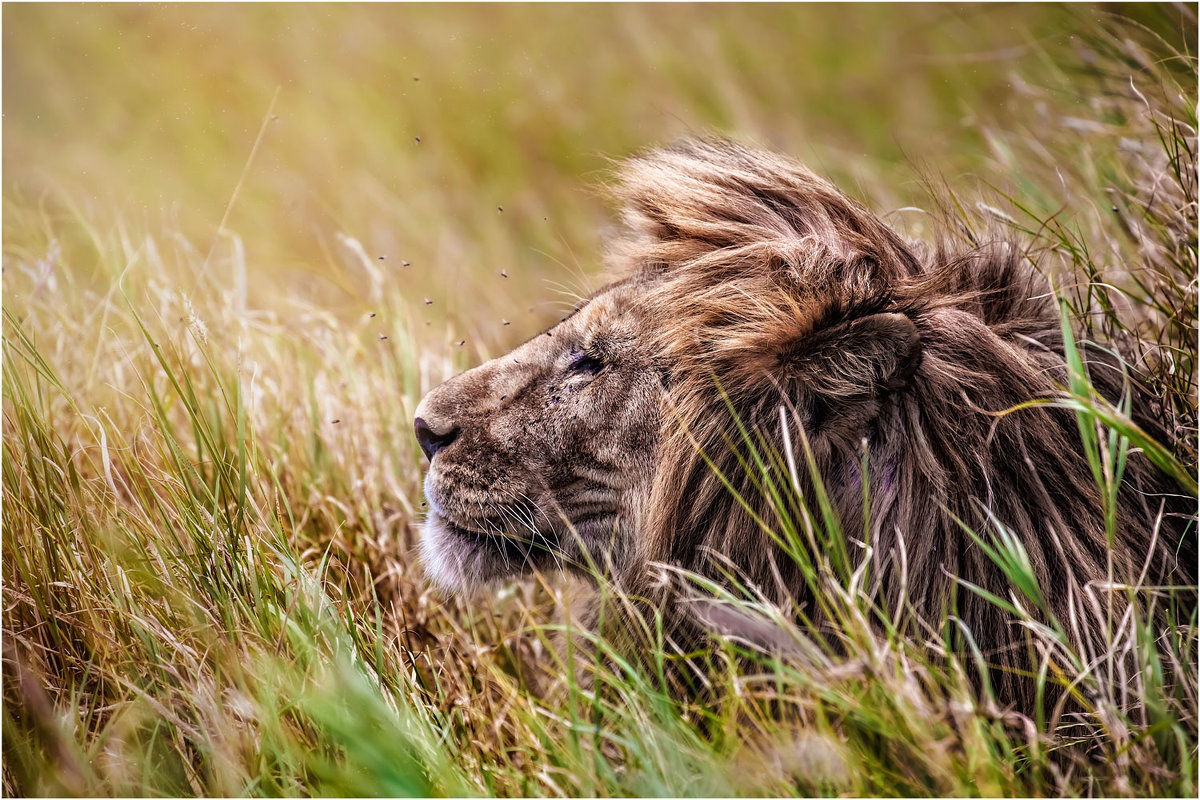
(748, 285)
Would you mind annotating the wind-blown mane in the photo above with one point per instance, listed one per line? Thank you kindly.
(775, 290)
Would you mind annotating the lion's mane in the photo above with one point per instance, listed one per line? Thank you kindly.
(773, 289)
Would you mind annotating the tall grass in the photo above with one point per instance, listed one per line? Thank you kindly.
(211, 490)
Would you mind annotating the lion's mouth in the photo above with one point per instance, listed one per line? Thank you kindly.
(509, 539)
(512, 552)
(507, 545)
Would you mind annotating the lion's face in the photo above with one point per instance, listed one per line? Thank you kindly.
(543, 458)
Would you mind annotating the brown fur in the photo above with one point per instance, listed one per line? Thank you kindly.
(748, 284)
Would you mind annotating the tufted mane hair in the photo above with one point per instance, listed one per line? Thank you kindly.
(772, 290)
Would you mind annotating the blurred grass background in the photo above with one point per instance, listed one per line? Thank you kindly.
(147, 113)
(241, 241)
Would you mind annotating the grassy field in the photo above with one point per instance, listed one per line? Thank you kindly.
(240, 242)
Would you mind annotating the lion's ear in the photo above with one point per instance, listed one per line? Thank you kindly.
(862, 357)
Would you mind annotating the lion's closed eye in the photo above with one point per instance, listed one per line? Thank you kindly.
(584, 363)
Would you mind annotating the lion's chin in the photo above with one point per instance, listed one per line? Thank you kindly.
(462, 561)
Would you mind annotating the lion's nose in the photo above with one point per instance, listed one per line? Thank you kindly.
(433, 440)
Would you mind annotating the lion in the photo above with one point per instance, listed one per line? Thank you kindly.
(754, 302)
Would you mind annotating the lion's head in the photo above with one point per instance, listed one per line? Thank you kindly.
(548, 448)
(558, 443)
(753, 301)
